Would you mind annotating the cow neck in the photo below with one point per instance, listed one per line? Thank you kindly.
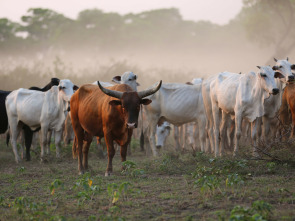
(257, 90)
(61, 104)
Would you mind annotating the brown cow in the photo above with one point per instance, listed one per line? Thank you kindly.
(288, 105)
(111, 113)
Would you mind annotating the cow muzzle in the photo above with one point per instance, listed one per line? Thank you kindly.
(159, 146)
(275, 91)
(131, 125)
(290, 78)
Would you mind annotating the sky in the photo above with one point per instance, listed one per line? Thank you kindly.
(216, 11)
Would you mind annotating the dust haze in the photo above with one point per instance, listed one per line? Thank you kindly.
(155, 45)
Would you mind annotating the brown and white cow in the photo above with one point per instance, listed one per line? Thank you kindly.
(111, 113)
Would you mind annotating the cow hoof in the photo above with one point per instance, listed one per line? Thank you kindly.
(80, 173)
(107, 173)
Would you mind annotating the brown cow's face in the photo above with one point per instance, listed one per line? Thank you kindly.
(130, 104)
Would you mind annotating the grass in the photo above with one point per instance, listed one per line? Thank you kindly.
(175, 186)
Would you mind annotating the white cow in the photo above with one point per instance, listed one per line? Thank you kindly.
(242, 96)
(45, 110)
(128, 78)
(208, 105)
(187, 131)
(273, 104)
(163, 131)
(178, 104)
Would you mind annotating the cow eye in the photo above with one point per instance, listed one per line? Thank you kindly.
(263, 75)
(280, 66)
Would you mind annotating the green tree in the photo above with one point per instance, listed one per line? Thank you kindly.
(44, 25)
(270, 23)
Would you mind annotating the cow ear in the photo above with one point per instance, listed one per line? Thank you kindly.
(115, 102)
(279, 75)
(168, 127)
(146, 101)
(75, 87)
(275, 68)
(293, 66)
(117, 79)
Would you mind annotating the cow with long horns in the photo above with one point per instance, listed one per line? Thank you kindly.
(111, 113)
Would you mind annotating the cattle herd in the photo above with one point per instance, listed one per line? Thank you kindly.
(219, 109)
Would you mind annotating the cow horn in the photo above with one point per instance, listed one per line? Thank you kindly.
(112, 93)
(148, 92)
(275, 59)
(287, 59)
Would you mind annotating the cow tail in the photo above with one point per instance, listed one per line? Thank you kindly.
(141, 135)
(74, 148)
(7, 137)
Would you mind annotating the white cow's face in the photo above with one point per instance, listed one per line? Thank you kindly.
(163, 132)
(130, 79)
(266, 76)
(284, 67)
(66, 89)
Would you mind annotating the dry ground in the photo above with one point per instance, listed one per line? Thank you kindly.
(175, 186)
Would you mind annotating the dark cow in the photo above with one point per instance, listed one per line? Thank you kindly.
(3, 113)
(111, 113)
(54, 81)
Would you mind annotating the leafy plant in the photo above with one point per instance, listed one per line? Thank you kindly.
(131, 170)
(259, 210)
(54, 185)
(88, 190)
(116, 191)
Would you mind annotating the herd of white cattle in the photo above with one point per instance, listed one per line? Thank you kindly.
(214, 107)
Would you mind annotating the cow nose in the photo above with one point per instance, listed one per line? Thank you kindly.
(275, 91)
(158, 146)
(290, 78)
(131, 125)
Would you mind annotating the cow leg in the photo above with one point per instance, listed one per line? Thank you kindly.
(35, 141)
(100, 148)
(28, 141)
(15, 130)
(152, 139)
(49, 135)
(238, 132)
(223, 131)
(215, 112)
(111, 154)
(266, 129)
(176, 137)
(293, 125)
(254, 136)
(202, 133)
(209, 129)
(57, 140)
(87, 141)
(21, 139)
(44, 143)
